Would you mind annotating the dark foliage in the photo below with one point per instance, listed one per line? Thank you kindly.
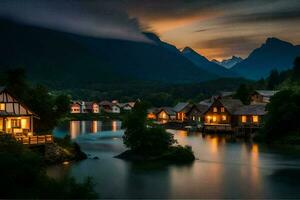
(244, 93)
(142, 139)
(23, 176)
(283, 114)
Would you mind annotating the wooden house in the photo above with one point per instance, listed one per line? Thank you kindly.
(115, 108)
(195, 113)
(231, 114)
(152, 113)
(220, 114)
(250, 115)
(181, 109)
(91, 107)
(75, 107)
(165, 114)
(15, 117)
(262, 96)
(106, 106)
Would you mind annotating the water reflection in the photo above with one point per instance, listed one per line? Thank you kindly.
(77, 128)
(225, 168)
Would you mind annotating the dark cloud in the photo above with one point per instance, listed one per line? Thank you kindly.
(178, 21)
(265, 17)
(96, 18)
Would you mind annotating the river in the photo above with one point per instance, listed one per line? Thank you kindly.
(225, 167)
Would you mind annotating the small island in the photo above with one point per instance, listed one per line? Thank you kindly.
(148, 141)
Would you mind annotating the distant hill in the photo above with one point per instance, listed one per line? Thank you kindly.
(204, 64)
(273, 54)
(65, 59)
(229, 63)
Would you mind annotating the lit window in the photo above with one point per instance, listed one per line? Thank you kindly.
(199, 119)
(244, 119)
(214, 118)
(224, 117)
(194, 118)
(222, 109)
(15, 123)
(2, 106)
(215, 109)
(255, 118)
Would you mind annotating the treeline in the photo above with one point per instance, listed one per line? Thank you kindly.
(156, 93)
(281, 124)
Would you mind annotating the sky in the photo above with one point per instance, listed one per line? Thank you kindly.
(216, 29)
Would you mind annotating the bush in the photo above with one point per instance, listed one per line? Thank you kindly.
(180, 154)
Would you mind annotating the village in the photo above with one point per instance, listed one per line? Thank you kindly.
(220, 113)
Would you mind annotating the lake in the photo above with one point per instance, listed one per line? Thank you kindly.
(225, 167)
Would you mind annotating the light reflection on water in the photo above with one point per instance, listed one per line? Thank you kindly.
(225, 167)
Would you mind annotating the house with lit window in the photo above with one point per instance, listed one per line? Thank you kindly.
(91, 107)
(15, 117)
(220, 114)
(75, 108)
(181, 109)
(195, 113)
(165, 114)
(229, 114)
(250, 115)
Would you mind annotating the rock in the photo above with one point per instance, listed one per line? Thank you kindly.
(56, 154)
(96, 158)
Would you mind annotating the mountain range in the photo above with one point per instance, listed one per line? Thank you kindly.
(67, 59)
(228, 63)
(204, 64)
(273, 54)
(70, 60)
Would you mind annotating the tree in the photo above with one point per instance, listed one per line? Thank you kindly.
(244, 94)
(143, 139)
(283, 114)
(296, 70)
(273, 80)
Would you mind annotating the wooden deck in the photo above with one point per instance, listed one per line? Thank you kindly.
(35, 140)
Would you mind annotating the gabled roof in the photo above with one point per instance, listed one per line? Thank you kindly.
(231, 104)
(255, 109)
(168, 110)
(266, 93)
(181, 106)
(105, 103)
(205, 102)
(226, 93)
(4, 89)
(152, 110)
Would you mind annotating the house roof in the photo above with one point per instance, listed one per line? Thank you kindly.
(105, 103)
(153, 110)
(205, 102)
(168, 110)
(231, 104)
(257, 109)
(267, 93)
(181, 106)
(226, 93)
